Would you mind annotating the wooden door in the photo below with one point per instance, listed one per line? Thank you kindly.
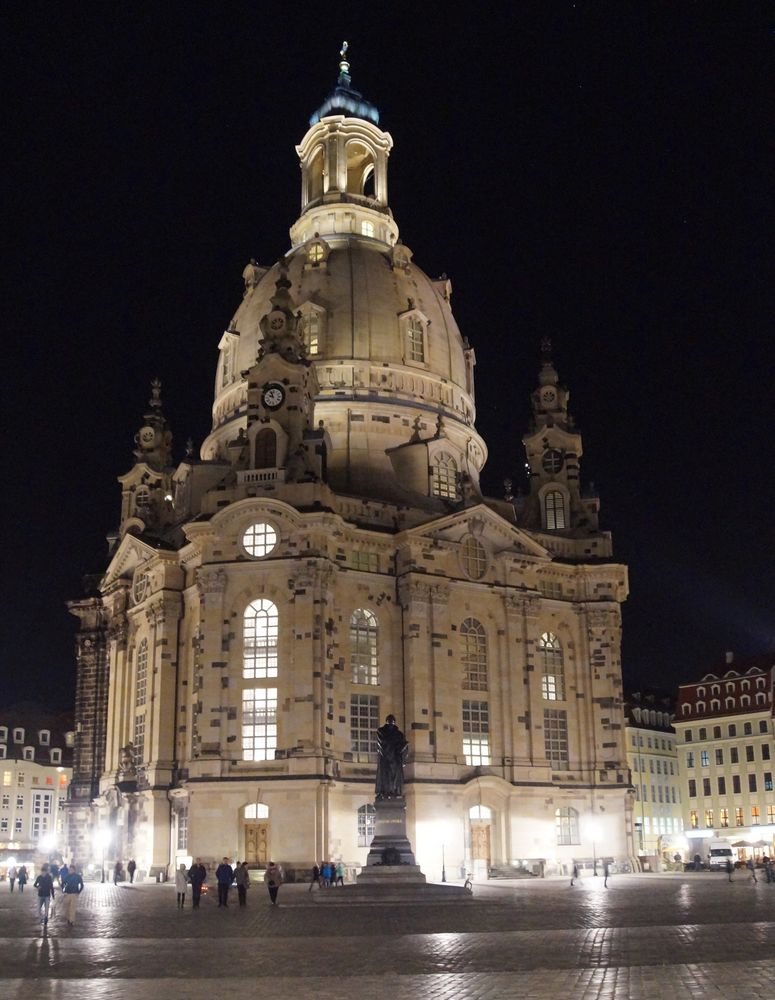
(480, 841)
(256, 842)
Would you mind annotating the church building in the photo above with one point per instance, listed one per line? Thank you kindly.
(328, 559)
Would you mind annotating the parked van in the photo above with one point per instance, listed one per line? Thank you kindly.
(719, 852)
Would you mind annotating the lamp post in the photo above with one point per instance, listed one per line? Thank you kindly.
(594, 833)
(443, 868)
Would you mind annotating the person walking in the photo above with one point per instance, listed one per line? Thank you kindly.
(750, 865)
(22, 878)
(64, 871)
(325, 874)
(197, 876)
(181, 885)
(131, 868)
(575, 873)
(730, 868)
(118, 873)
(315, 880)
(242, 878)
(606, 872)
(340, 874)
(273, 877)
(224, 876)
(767, 863)
(12, 876)
(72, 887)
(53, 870)
(44, 883)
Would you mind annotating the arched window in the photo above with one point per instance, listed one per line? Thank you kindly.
(363, 647)
(259, 633)
(480, 813)
(257, 810)
(266, 449)
(552, 667)
(366, 817)
(473, 558)
(729, 703)
(141, 675)
(745, 700)
(715, 705)
(444, 477)
(554, 508)
(310, 331)
(566, 824)
(415, 339)
(474, 641)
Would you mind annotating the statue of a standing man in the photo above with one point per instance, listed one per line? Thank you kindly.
(392, 749)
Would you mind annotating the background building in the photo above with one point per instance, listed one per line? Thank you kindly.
(653, 760)
(725, 746)
(328, 558)
(35, 771)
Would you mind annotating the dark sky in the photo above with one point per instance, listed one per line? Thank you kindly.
(597, 173)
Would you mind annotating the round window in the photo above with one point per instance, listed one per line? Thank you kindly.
(552, 460)
(259, 539)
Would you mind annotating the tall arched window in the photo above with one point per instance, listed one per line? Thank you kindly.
(554, 508)
(266, 449)
(474, 640)
(552, 667)
(415, 339)
(141, 675)
(566, 824)
(366, 817)
(259, 632)
(444, 477)
(310, 330)
(363, 647)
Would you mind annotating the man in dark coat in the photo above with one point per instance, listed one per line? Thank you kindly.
(224, 875)
(197, 876)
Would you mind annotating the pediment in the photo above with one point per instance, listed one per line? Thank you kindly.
(486, 525)
(131, 553)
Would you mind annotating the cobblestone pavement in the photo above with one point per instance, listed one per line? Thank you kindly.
(650, 936)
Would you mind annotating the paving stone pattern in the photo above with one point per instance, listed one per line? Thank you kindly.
(657, 937)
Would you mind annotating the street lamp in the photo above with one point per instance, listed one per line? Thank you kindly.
(443, 869)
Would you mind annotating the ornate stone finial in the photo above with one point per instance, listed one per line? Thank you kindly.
(155, 400)
(190, 448)
(344, 65)
(416, 429)
(439, 426)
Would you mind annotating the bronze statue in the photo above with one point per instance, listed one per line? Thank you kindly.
(392, 750)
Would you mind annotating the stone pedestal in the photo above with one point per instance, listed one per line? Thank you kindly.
(390, 857)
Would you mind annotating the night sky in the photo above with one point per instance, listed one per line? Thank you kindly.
(595, 173)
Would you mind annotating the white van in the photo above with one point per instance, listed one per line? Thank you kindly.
(719, 852)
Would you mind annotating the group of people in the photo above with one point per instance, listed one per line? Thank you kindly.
(225, 877)
(71, 886)
(767, 865)
(118, 871)
(18, 875)
(326, 874)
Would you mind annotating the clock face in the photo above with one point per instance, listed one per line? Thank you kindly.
(276, 323)
(548, 397)
(273, 396)
(147, 436)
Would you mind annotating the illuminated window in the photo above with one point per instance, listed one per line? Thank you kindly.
(473, 558)
(310, 331)
(259, 539)
(364, 721)
(315, 253)
(139, 738)
(259, 723)
(259, 631)
(704, 758)
(755, 816)
(182, 824)
(771, 814)
(474, 642)
(256, 810)
(566, 824)
(444, 477)
(723, 817)
(708, 818)
(367, 228)
(6, 779)
(415, 340)
(476, 727)
(141, 678)
(366, 817)
(739, 816)
(554, 508)
(556, 738)
(552, 667)
(363, 647)
(768, 781)
(694, 822)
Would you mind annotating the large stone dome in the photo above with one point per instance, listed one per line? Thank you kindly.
(390, 363)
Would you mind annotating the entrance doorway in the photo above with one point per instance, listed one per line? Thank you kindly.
(256, 830)
(480, 820)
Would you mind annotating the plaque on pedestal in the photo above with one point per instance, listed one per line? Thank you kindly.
(390, 857)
